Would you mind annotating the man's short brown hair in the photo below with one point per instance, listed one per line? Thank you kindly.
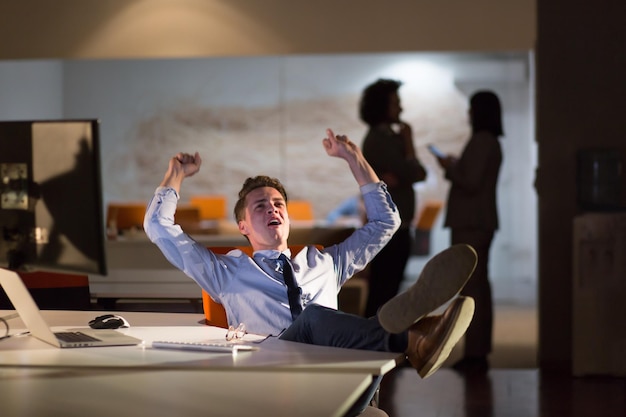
(251, 184)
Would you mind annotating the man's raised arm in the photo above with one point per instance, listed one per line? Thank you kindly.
(341, 147)
(181, 166)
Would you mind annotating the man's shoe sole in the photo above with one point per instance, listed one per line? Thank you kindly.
(462, 313)
(442, 278)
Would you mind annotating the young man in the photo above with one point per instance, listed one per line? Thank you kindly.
(255, 290)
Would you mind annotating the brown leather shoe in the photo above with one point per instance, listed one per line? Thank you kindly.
(431, 339)
(441, 279)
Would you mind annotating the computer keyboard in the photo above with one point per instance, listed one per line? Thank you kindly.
(223, 347)
(71, 337)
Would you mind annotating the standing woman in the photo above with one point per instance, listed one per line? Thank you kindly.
(388, 147)
(472, 216)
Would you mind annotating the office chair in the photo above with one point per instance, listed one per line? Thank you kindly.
(300, 210)
(187, 216)
(423, 226)
(124, 216)
(215, 315)
(212, 207)
(214, 312)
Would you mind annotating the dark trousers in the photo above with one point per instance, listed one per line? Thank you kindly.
(478, 338)
(387, 271)
(318, 325)
(324, 326)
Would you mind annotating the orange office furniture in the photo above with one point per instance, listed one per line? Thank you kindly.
(187, 216)
(212, 207)
(124, 216)
(423, 226)
(300, 210)
(428, 214)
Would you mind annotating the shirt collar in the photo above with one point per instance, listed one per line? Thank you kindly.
(272, 253)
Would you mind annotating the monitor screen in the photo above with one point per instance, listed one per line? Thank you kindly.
(51, 216)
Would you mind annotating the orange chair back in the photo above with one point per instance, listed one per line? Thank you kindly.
(212, 207)
(300, 210)
(126, 215)
(187, 216)
(428, 215)
(214, 312)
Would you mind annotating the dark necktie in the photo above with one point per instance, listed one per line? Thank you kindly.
(293, 291)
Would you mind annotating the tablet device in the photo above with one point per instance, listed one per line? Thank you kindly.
(436, 151)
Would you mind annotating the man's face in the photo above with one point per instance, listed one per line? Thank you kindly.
(266, 222)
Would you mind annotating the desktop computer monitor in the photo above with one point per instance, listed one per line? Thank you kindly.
(51, 215)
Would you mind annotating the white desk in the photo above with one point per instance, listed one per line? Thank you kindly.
(273, 354)
(281, 378)
(188, 393)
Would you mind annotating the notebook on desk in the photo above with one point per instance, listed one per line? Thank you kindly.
(36, 324)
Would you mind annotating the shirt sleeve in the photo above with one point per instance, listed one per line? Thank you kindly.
(180, 249)
(383, 219)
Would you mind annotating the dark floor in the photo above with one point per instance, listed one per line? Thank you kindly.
(501, 393)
